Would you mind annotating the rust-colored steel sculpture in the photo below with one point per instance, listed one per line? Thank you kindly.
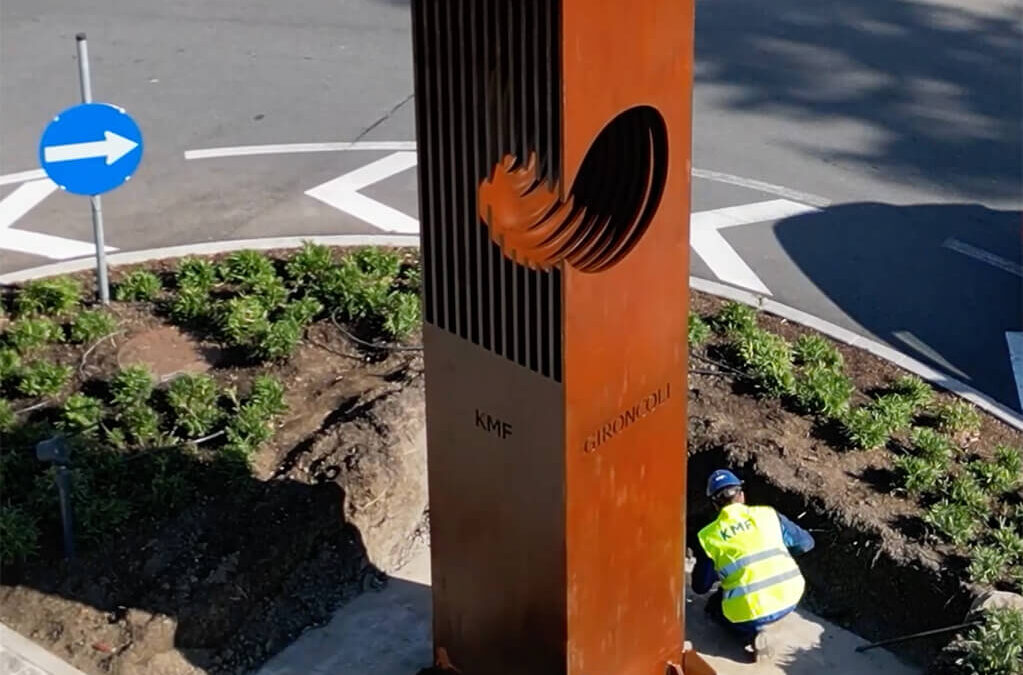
(554, 162)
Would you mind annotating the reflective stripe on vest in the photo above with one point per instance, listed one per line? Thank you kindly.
(758, 576)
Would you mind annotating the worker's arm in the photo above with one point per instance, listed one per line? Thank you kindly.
(797, 540)
(704, 575)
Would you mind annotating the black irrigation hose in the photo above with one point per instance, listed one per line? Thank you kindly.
(373, 345)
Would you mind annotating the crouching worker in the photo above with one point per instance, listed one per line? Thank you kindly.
(749, 550)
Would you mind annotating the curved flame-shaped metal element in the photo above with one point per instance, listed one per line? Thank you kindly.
(614, 197)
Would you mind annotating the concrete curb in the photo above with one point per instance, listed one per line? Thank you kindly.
(30, 655)
(982, 401)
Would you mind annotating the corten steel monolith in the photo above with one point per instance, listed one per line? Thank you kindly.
(554, 161)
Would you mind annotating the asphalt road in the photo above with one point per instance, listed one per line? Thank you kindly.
(899, 120)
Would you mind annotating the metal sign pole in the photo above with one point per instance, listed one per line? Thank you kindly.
(97, 205)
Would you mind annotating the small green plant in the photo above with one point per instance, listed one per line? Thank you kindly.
(865, 428)
(993, 477)
(815, 350)
(965, 490)
(270, 290)
(699, 331)
(895, 410)
(19, 534)
(10, 363)
(914, 389)
(823, 390)
(132, 386)
(734, 318)
(957, 417)
(140, 421)
(1007, 538)
(246, 267)
(412, 278)
(767, 359)
(243, 320)
(956, 522)
(1009, 459)
(379, 263)
(996, 646)
(919, 475)
(29, 333)
(268, 395)
(48, 296)
(92, 325)
(302, 311)
(309, 265)
(43, 378)
(251, 425)
(138, 286)
(81, 414)
(7, 418)
(196, 273)
(931, 445)
(193, 401)
(987, 564)
(191, 304)
(279, 340)
(402, 315)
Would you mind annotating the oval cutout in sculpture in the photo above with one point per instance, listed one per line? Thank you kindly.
(615, 196)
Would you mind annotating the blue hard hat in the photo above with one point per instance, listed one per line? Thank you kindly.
(721, 479)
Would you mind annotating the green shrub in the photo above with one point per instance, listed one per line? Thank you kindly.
(1009, 459)
(140, 285)
(357, 292)
(279, 340)
(993, 477)
(42, 378)
(19, 534)
(931, 445)
(191, 304)
(268, 395)
(270, 290)
(919, 475)
(735, 318)
(309, 265)
(140, 421)
(895, 410)
(1009, 540)
(10, 363)
(956, 522)
(246, 267)
(48, 296)
(379, 263)
(823, 390)
(92, 325)
(81, 414)
(132, 386)
(964, 489)
(193, 401)
(196, 274)
(914, 389)
(957, 416)
(7, 418)
(412, 278)
(865, 428)
(699, 331)
(402, 315)
(243, 320)
(987, 564)
(302, 311)
(28, 334)
(996, 646)
(251, 425)
(767, 359)
(815, 350)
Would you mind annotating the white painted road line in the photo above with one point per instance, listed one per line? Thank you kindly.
(707, 241)
(761, 186)
(1015, 342)
(984, 256)
(342, 193)
(25, 197)
(291, 148)
(22, 176)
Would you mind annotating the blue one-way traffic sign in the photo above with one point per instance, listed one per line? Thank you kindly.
(91, 148)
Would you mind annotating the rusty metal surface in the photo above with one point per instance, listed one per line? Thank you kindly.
(554, 141)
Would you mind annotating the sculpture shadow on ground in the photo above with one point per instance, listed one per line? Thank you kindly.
(938, 89)
(900, 272)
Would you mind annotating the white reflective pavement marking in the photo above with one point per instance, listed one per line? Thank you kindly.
(24, 198)
(342, 193)
(983, 256)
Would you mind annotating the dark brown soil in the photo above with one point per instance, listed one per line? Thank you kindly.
(873, 570)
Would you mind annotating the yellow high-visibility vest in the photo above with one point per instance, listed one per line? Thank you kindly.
(758, 575)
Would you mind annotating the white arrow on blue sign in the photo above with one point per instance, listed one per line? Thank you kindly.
(91, 148)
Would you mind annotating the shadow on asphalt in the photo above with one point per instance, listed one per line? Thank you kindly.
(890, 269)
(943, 86)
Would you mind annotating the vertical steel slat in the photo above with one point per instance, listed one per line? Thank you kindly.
(476, 71)
(438, 213)
(420, 52)
(462, 166)
(455, 280)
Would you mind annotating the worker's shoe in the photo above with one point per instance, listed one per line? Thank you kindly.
(762, 652)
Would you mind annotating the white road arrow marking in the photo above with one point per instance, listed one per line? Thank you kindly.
(342, 193)
(113, 147)
(1015, 341)
(707, 241)
(983, 256)
(15, 205)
